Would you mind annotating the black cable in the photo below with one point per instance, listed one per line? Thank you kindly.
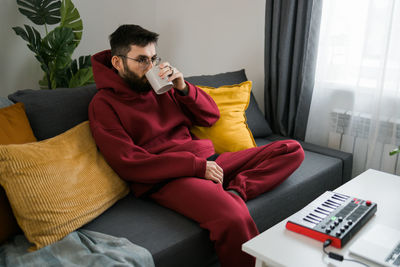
(336, 256)
(331, 255)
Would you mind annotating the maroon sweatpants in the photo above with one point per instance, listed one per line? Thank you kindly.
(250, 172)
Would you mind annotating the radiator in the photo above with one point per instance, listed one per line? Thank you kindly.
(349, 132)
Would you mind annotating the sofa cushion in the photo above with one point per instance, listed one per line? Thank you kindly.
(15, 129)
(57, 185)
(172, 239)
(52, 112)
(230, 133)
(255, 119)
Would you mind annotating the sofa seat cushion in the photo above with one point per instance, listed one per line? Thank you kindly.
(175, 240)
(170, 237)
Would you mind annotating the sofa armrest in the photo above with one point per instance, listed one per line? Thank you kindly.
(347, 158)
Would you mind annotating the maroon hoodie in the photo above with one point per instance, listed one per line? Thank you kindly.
(145, 137)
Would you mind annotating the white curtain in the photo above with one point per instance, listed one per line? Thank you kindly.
(356, 98)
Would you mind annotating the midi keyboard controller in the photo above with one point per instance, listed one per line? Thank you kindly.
(332, 216)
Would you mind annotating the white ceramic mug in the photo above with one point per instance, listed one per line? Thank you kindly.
(159, 85)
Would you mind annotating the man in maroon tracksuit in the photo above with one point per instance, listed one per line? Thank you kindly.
(145, 138)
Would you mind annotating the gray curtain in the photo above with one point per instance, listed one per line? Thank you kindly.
(291, 41)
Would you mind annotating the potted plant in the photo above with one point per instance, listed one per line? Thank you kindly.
(54, 50)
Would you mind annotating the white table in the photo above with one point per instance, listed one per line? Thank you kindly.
(278, 246)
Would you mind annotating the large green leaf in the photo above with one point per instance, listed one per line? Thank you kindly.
(70, 18)
(21, 32)
(82, 77)
(31, 35)
(59, 45)
(84, 62)
(79, 72)
(41, 12)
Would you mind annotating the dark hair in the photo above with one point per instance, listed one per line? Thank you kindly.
(127, 35)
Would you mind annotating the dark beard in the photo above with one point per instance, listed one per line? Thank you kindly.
(137, 84)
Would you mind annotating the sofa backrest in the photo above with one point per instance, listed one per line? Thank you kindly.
(52, 112)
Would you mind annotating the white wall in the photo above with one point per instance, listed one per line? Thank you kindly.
(197, 37)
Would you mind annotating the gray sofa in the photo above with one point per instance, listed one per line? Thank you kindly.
(172, 239)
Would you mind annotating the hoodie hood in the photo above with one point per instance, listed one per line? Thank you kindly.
(106, 76)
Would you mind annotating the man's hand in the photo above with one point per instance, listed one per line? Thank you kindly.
(174, 76)
(214, 172)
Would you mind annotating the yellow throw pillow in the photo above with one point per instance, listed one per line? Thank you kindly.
(57, 185)
(14, 129)
(230, 133)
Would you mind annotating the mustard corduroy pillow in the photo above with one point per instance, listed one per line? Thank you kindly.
(231, 132)
(14, 129)
(57, 185)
